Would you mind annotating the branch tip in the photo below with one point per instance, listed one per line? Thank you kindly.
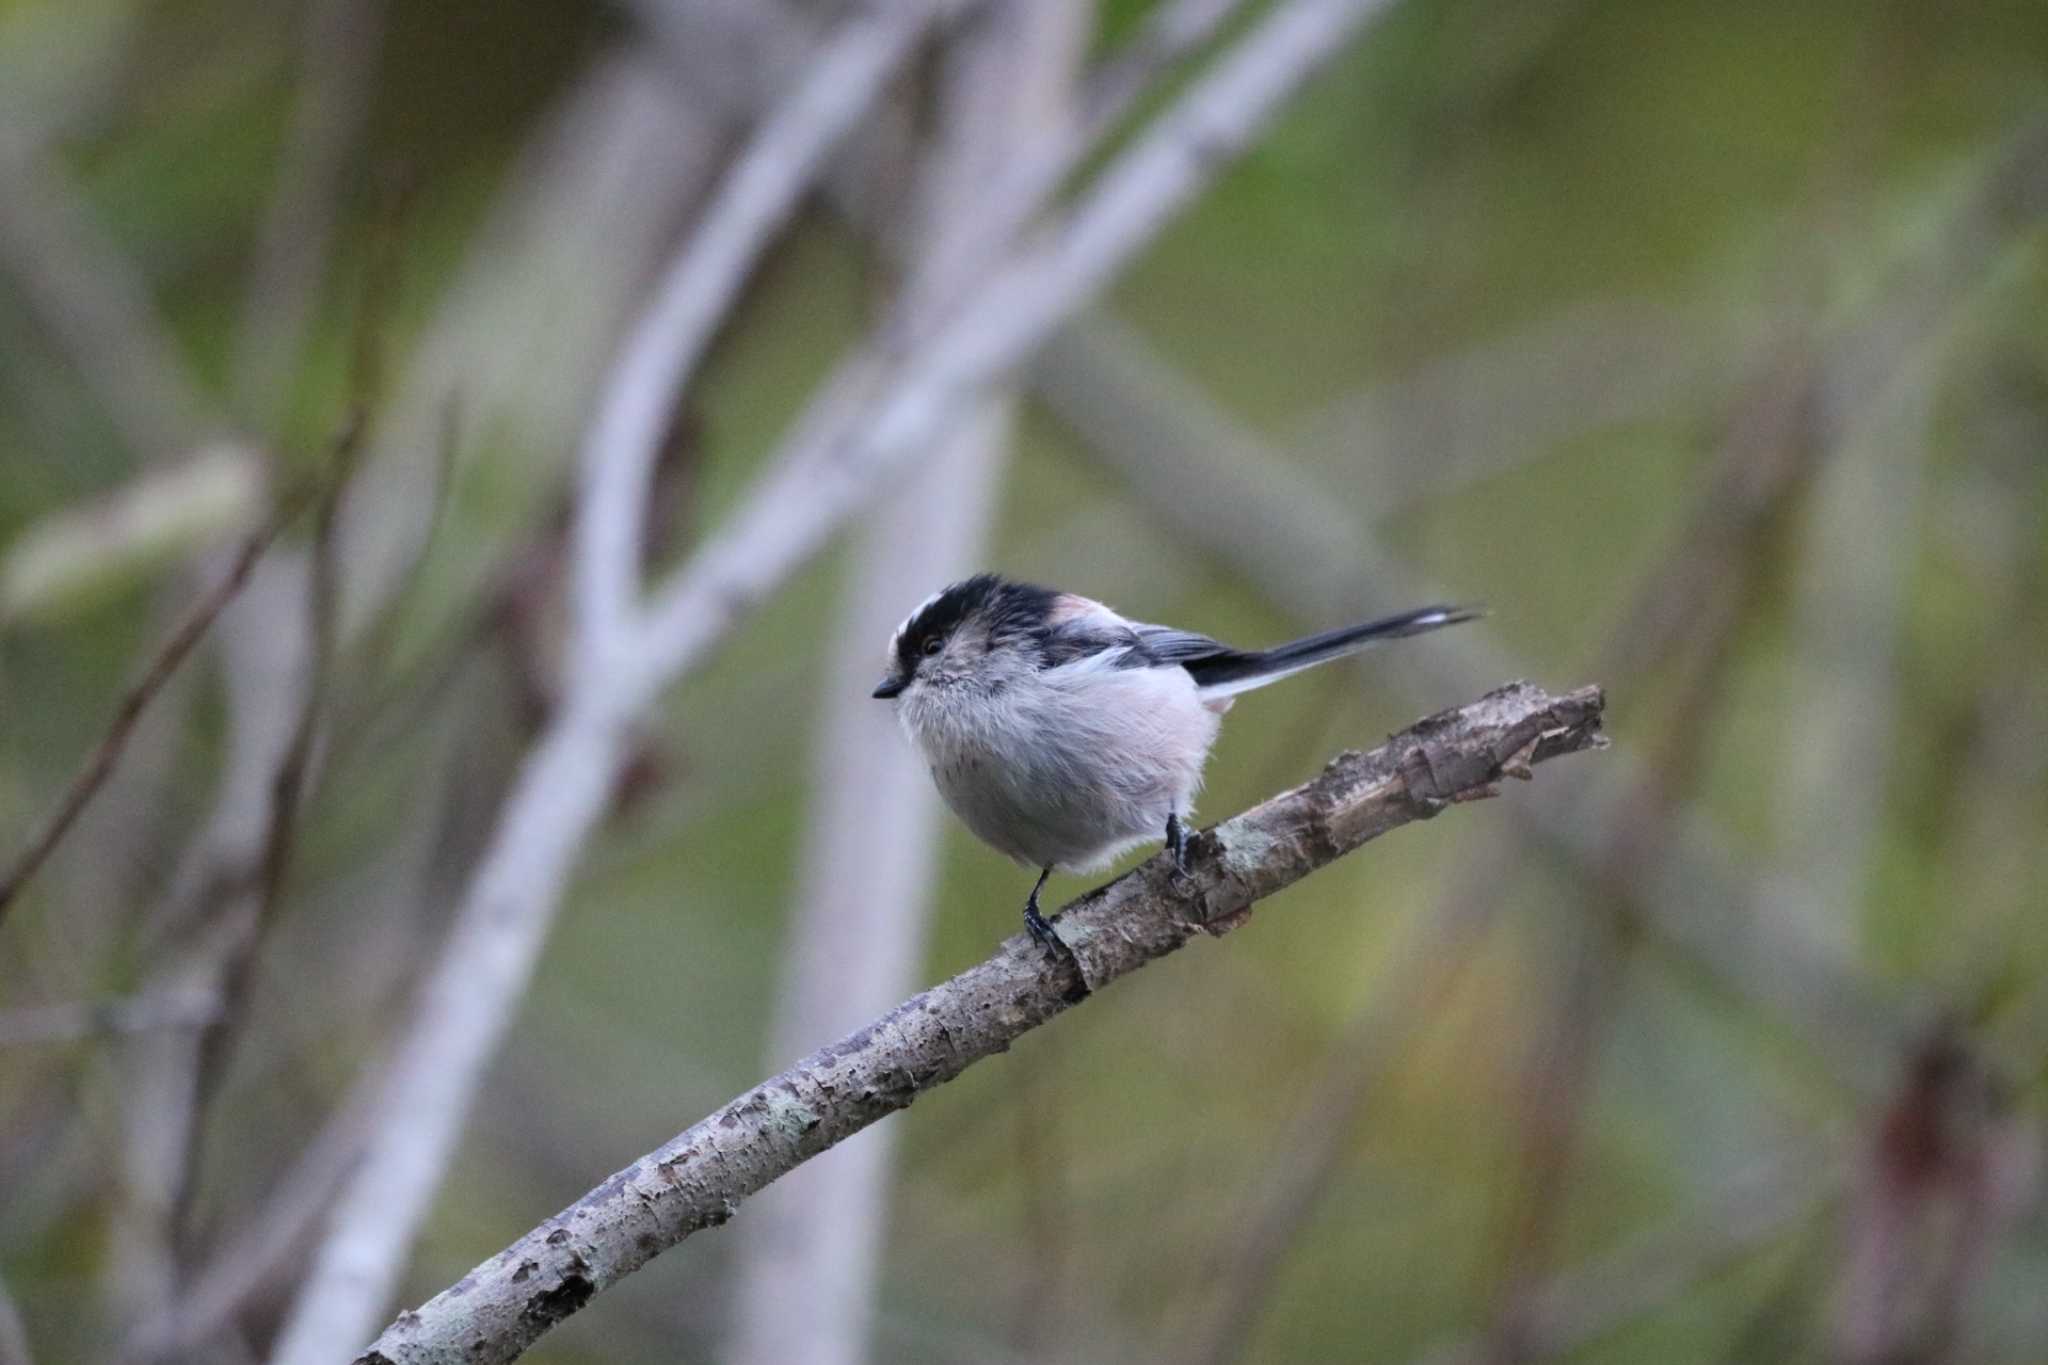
(697, 1179)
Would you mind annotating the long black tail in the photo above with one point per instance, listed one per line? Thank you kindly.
(1233, 671)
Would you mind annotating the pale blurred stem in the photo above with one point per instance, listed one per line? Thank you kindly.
(698, 1178)
(1700, 579)
(624, 658)
(808, 1262)
(264, 1255)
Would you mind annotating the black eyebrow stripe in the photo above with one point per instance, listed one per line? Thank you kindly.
(1012, 609)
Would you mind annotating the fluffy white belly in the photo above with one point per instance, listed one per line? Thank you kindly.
(1070, 767)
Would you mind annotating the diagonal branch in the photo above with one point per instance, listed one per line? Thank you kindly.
(698, 1178)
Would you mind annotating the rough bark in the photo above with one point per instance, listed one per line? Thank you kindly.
(697, 1179)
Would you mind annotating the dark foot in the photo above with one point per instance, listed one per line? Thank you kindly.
(1177, 842)
(1041, 927)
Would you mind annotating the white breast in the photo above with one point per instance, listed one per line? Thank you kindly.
(1070, 766)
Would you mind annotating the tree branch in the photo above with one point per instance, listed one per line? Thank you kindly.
(698, 1178)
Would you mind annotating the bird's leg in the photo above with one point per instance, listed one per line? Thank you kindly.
(1040, 927)
(1177, 841)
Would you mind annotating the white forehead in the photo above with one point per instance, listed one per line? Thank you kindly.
(915, 612)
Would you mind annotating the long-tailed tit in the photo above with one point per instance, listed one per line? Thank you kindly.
(1063, 734)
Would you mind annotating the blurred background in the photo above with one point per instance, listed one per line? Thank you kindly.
(1703, 343)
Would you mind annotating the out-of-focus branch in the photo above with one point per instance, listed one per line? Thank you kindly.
(809, 1259)
(1829, 795)
(472, 993)
(698, 1178)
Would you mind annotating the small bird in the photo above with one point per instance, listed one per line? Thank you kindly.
(1063, 734)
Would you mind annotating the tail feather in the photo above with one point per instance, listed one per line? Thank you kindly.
(1229, 672)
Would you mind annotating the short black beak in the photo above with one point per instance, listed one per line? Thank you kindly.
(889, 687)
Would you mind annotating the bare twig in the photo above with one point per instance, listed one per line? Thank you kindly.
(698, 1178)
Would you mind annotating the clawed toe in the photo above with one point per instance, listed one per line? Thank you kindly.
(1177, 845)
(1041, 930)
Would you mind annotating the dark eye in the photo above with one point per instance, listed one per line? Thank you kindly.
(931, 646)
